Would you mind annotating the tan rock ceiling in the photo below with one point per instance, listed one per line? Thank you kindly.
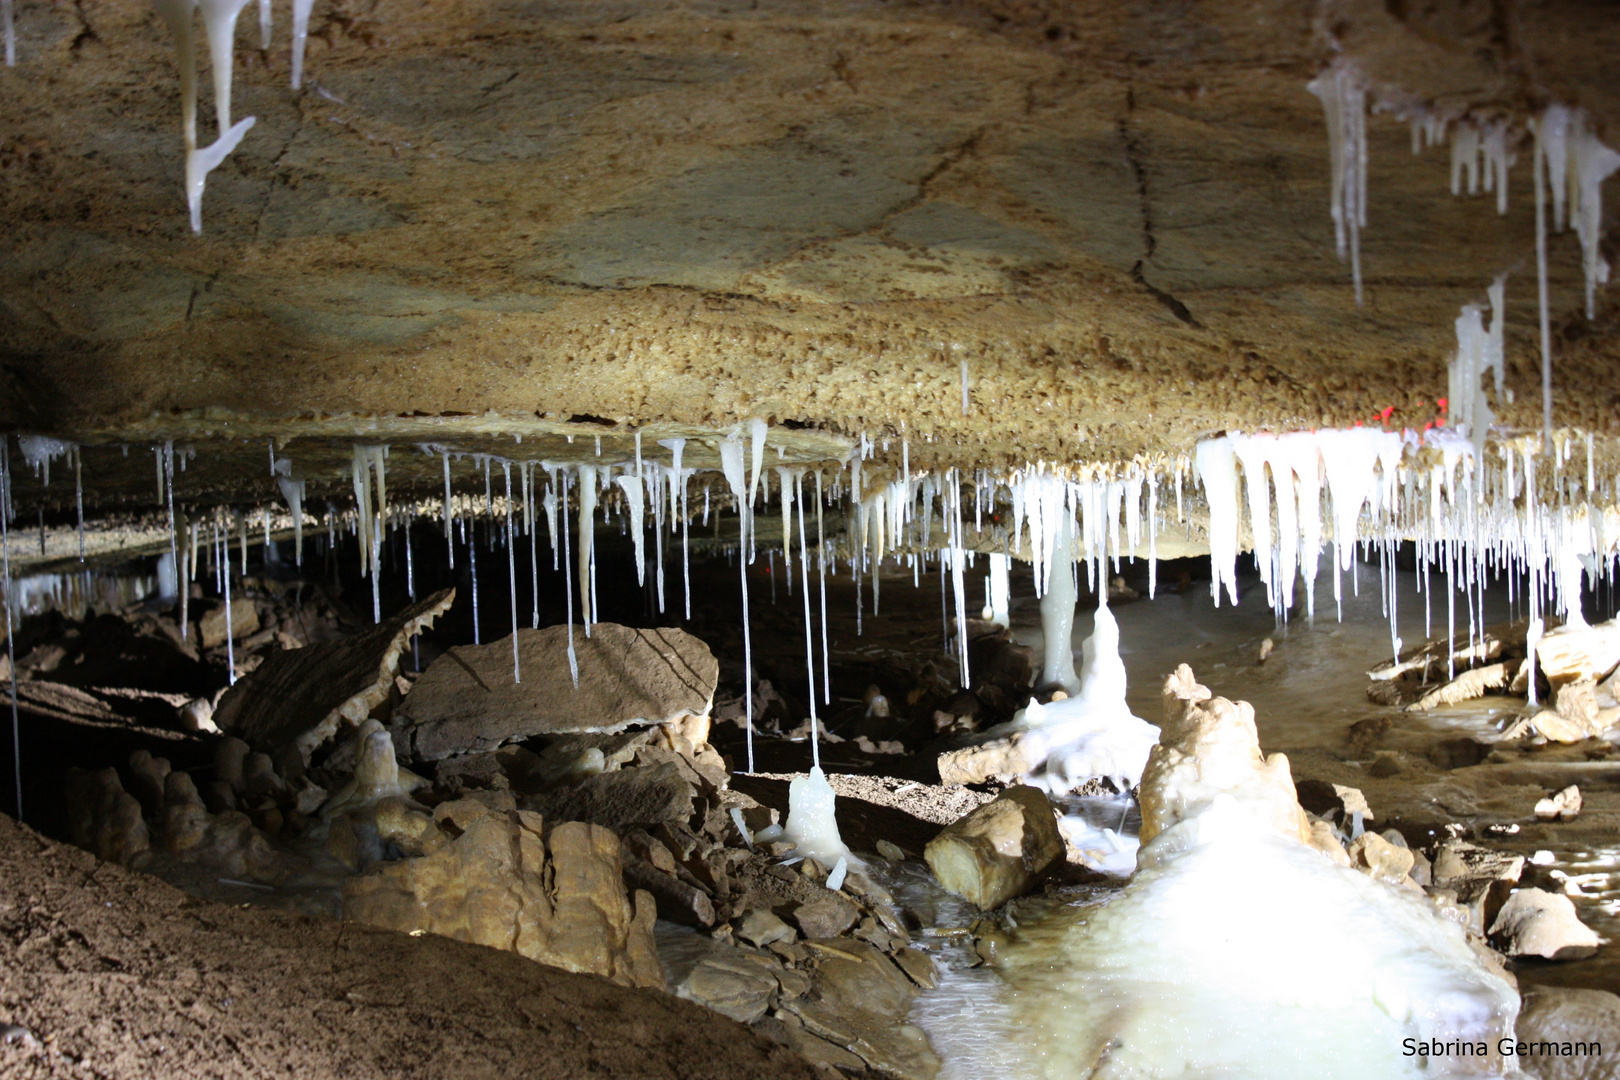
(694, 213)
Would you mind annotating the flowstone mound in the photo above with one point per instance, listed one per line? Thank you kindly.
(1239, 948)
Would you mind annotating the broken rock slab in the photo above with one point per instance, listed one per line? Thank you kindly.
(1577, 651)
(1535, 922)
(555, 896)
(296, 699)
(998, 851)
(1559, 1014)
(467, 702)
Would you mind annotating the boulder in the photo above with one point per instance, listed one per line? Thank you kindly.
(467, 702)
(211, 626)
(1558, 1014)
(997, 851)
(1535, 922)
(1378, 858)
(297, 699)
(556, 896)
(1003, 759)
(759, 926)
(1577, 651)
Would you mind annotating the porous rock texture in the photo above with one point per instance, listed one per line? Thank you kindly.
(209, 990)
(1116, 214)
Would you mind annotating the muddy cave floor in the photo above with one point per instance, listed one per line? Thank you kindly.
(146, 975)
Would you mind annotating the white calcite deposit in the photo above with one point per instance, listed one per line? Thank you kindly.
(1238, 949)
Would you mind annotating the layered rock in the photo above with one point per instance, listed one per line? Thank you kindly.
(467, 700)
(505, 880)
(295, 700)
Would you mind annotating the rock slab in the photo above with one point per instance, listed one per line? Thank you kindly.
(298, 698)
(467, 701)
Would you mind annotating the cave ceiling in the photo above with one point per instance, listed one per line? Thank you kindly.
(479, 219)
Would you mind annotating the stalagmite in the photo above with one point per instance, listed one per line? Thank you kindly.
(811, 826)
(1344, 105)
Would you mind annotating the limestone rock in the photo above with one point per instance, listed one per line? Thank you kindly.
(557, 897)
(1377, 857)
(1562, 806)
(1534, 922)
(466, 701)
(297, 699)
(1565, 1015)
(759, 926)
(860, 1001)
(678, 900)
(1577, 651)
(211, 627)
(1465, 687)
(826, 916)
(735, 982)
(1003, 759)
(643, 795)
(997, 851)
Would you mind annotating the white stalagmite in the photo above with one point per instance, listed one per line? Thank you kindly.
(1092, 733)
(811, 826)
(1344, 105)
(1000, 589)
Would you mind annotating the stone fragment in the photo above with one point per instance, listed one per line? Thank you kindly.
(1377, 857)
(759, 926)
(466, 701)
(557, 898)
(198, 715)
(413, 832)
(997, 851)
(860, 1001)
(890, 851)
(1558, 1014)
(1535, 922)
(1003, 759)
(297, 699)
(734, 982)
(827, 916)
(1465, 687)
(211, 626)
(1338, 802)
(678, 901)
(1561, 806)
(918, 966)
(822, 1053)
